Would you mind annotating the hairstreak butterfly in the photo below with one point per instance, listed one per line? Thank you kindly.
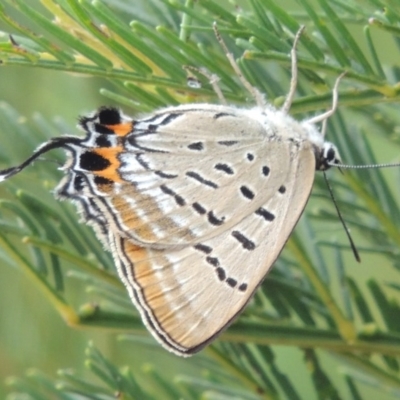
(195, 202)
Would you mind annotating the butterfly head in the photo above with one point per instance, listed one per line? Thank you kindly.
(328, 157)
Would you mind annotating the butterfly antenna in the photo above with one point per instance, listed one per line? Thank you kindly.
(55, 143)
(367, 166)
(293, 81)
(256, 94)
(335, 100)
(352, 245)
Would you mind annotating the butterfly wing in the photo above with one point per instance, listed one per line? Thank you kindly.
(196, 203)
(188, 296)
(183, 176)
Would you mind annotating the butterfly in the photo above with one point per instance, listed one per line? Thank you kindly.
(195, 202)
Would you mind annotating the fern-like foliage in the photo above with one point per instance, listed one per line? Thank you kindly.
(312, 301)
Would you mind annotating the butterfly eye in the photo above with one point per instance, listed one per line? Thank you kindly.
(329, 157)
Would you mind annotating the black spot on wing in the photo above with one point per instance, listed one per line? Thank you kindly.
(104, 130)
(178, 199)
(213, 261)
(250, 156)
(99, 180)
(199, 208)
(228, 143)
(219, 270)
(231, 282)
(197, 146)
(212, 219)
(79, 183)
(91, 161)
(104, 116)
(265, 170)
(103, 141)
(109, 116)
(196, 176)
(203, 248)
(165, 175)
(246, 192)
(245, 242)
(224, 168)
(243, 287)
(151, 128)
(262, 212)
(282, 189)
(220, 273)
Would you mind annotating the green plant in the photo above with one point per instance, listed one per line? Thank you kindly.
(311, 301)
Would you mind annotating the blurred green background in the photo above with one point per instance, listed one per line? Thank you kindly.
(31, 332)
(32, 335)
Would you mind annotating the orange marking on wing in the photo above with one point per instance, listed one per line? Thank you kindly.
(121, 129)
(154, 289)
(131, 219)
(157, 292)
(110, 154)
(135, 252)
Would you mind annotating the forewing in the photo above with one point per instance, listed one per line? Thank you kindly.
(187, 175)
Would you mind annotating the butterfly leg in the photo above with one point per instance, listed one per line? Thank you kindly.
(256, 94)
(293, 81)
(212, 78)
